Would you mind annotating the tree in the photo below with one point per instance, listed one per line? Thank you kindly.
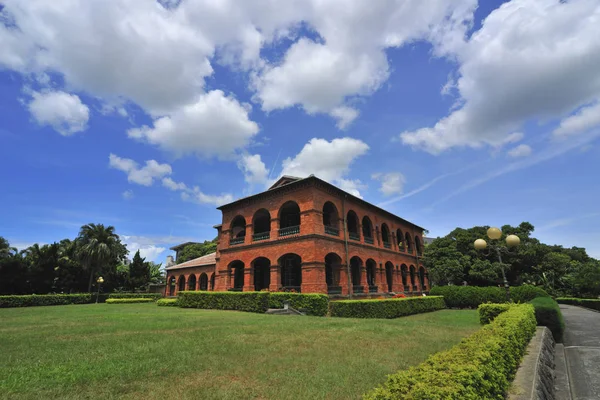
(99, 248)
(195, 250)
(139, 272)
(41, 263)
(13, 270)
(157, 276)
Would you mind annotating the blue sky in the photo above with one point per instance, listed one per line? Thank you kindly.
(147, 116)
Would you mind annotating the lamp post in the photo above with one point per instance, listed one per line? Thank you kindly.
(495, 244)
(100, 281)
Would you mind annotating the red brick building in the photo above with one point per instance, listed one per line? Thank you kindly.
(312, 237)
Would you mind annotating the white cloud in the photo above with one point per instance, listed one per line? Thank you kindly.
(64, 112)
(171, 184)
(330, 161)
(587, 118)
(214, 124)
(197, 196)
(532, 59)
(128, 194)
(254, 169)
(142, 176)
(352, 186)
(391, 183)
(521, 150)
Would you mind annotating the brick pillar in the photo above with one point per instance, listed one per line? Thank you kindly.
(313, 278)
(397, 280)
(382, 279)
(344, 279)
(248, 279)
(275, 278)
(427, 287)
(274, 228)
(363, 279)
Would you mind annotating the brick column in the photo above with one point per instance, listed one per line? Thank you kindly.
(382, 280)
(274, 228)
(363, 279)
(248, 279)
(313, 278)
(397, 280)
(344, 279)
(275, 278)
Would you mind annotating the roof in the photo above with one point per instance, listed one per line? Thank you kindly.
(274, 188)
(179, 246)
(208, 259)
(284, 180)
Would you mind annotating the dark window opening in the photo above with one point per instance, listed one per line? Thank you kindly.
(291, 271)
(192, 282)
(203, 282)
(262, 273)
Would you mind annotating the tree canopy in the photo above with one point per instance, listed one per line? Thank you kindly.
(195, 250)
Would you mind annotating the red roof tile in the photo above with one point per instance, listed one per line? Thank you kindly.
(208, 259)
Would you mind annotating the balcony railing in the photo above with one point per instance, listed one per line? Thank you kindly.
(358, 288)
(334, 289)
(369, 240)
(373, 289)
(261, 236)
(234, 241)
(387, 245)
(414, 288)
(297, 289)
(354, 236)
(290, 230)
(330, 230)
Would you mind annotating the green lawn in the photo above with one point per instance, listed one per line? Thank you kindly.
(141, 351)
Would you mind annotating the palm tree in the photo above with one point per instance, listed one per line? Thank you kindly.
(5, 249)
(98, 246)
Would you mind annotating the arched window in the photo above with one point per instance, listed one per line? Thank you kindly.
(331, 219)
(262, 273)
(261, 224)
(355, 266)
(367, 229)
(238, 230)
(289, 219)
(404, 273)
(212, 281)
(352, 221)
(422, 277)
(389, 275)
(371, 275)
(203, 281)
(400, 239)
(172, 286)
(408, 242)
(291, 272)
(418, 246)
(412, 277)
(333, 264)
(181, 283)
(385, 236)
(237, 270)
(192, 282)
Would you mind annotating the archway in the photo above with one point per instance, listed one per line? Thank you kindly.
(333, 264)
(418, 246)
(331, 219)
(371, 274)
(212, 281)
(422, 278)
(261, 224)
(367, 229)
(192, 282)
(404, 273)
(291, 272)
(412, 277)
(385, 236)
(203, 281)
(289, 219)
(408, 242)
(400, 239)
(352, 223)
(389, 275)
(172, 286)
(262, 273)
(237, 270)
(181, 283)
(238, 230)
(355, 266)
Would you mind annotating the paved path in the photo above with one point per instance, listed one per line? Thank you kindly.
(582, 351)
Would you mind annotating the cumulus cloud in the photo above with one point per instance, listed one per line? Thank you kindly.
(587, 118)
(142, 176)
(531, 59)
(195, 195)
(64, 112)
(171, 184)
(521, 150)
(391, 183)
(254, 169)
(128, 194)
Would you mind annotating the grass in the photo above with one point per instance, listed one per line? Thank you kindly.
(141, 351)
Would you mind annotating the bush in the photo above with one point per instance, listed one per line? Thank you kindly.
(241, 301)
(469, 296)
(547, 313)
(312, 304)
(388, 308)
(526, 293)
(594, 304)
(167, 303)
(155, 296)
(481, 366)
(130, 300)
(489, 311)
(31, 300)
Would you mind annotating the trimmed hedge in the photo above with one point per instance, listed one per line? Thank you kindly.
(547, 313)
(473, 296)
(257, 302)
(31, 300)
(489, 311)
(481, 366)
(154, 296)
(311, 303)
(594, 304)
(388, 308)
(131, 300)
(167, 303)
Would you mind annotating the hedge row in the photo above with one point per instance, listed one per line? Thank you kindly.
(31, 300)
(473, 296)
(257, 302)
(489, 311)
(481, 366)
(389, 308)
(167, 303)
(130, 300)
(547, 313)
(154, 296)
(310, 303)
(594, 304)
